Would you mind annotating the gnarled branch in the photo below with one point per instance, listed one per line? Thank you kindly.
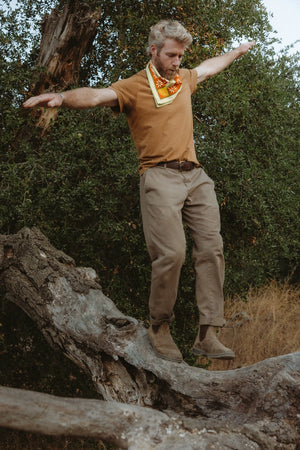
(75, 316)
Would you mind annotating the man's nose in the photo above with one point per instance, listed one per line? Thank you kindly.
(176, 61)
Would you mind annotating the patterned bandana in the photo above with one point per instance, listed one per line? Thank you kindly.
(164, 91)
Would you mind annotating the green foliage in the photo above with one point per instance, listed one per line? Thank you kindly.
(79, 182)
(121, 42)
(247, 133)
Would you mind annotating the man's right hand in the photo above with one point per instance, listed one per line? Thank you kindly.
(50, 100)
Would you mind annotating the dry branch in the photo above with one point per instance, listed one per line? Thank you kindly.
(123, 425)
(66, 38)
(75, 316)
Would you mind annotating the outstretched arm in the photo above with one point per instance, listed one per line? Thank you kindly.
(215, 65)
(80, 98)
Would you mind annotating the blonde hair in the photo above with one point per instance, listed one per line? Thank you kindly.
(168, 29)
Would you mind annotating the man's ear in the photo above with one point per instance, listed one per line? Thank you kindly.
(153, 50)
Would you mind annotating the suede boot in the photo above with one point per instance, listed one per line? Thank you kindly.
(162, 342)
(207, 344)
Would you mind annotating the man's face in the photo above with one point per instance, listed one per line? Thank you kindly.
(168, 59)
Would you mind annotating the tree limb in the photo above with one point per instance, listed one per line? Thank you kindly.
(75, 316)
(126, 426)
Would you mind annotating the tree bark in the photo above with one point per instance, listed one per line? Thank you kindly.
(123, 425)
(260, 402)
(66, 37)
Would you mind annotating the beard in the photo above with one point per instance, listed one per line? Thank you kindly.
(169, 74)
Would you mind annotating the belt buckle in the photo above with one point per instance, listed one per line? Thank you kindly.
(181, 163)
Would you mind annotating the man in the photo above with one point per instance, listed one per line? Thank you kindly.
(173, 186)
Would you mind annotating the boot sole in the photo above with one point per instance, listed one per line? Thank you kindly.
(225, 356)
(162, 356)
(167, 358)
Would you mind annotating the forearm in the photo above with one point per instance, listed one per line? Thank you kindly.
(215, 65)
(86, 97)
(80, 98)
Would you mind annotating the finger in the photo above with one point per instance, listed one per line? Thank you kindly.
(39, 100)
(30, 103)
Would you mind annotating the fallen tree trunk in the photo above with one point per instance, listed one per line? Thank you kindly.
(123, 425)
(75, 316)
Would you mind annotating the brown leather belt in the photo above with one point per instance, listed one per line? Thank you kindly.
(178, 165)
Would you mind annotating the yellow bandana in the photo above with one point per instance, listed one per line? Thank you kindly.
(164, 91)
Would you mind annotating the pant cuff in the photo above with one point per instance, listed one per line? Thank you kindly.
(161, 320)
(218, 322)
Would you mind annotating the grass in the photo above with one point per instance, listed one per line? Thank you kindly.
(264, 325)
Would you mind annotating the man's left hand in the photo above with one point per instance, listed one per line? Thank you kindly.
(244, 48)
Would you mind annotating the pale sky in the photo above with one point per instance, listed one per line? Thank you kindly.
(285, 20)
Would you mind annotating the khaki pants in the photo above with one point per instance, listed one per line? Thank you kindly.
(169, 198)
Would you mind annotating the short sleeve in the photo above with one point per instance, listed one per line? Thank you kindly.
(193, 80)
(126, 93)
